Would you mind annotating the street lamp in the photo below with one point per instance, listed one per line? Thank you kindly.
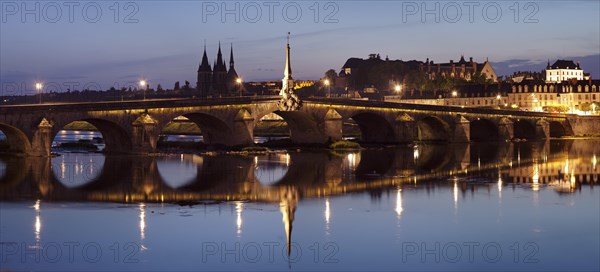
(454, 93)
(38, 88)
(239, 82)
(144, 85)
(328, 90)
(498, 97)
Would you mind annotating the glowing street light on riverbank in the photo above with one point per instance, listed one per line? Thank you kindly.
(38, 88)
(328, 90)
(239, 82)
(143, 85)
(454, 93)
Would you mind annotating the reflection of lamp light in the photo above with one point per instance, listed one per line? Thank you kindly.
(327, 213)
(536, 178)
(38, 221)
(142, 221)
(239, 206)
(399, 208)
(455, 193)
(416, 152)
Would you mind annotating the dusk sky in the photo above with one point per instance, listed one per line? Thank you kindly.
(162, 41)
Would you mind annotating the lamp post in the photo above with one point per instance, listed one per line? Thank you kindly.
(498, 97)
(239, 82)
(328, 90)
(144, 85)
(398, 89)
(38, 88)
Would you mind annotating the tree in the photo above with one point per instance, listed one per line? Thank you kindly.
(330, 75)
(176, 88)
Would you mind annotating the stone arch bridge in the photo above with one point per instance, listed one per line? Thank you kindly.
(134, 126)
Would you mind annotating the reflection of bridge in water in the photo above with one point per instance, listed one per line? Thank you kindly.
(313, 174)
(565, 165)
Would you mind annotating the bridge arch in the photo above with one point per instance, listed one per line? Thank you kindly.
(115, 137)
(16, 139)
(482, 129)
(179, 129)
(211, 127)
(374, 128)
(524, 129)
(302, 126)
(557, 130)
(432, 128)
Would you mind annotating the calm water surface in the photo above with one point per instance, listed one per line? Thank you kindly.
(522, 206)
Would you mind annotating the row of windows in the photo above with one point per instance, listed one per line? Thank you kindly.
(550, 97)
(566, 73)
(551, 88)
(478, 102)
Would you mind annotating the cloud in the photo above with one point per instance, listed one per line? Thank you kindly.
(589, 64)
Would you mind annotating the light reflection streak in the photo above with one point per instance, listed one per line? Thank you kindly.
(536, 177)
(499, 184)
(239, 206)
(142, 221)
(455, 192)
(399, 208)
(351, 161)
(327, 215)
(38, 222)
(416, 152)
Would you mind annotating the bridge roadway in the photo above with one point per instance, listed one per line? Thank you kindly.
(134, 126)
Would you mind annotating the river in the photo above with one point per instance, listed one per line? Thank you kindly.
(501, 206)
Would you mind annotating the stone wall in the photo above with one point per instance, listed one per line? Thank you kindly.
(585, 125)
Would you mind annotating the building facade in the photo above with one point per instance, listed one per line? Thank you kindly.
(563, 70)
(461, 69)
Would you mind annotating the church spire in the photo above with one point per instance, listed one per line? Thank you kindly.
(220, 63)
(204, 66)
(231, 58)
(288, 66)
